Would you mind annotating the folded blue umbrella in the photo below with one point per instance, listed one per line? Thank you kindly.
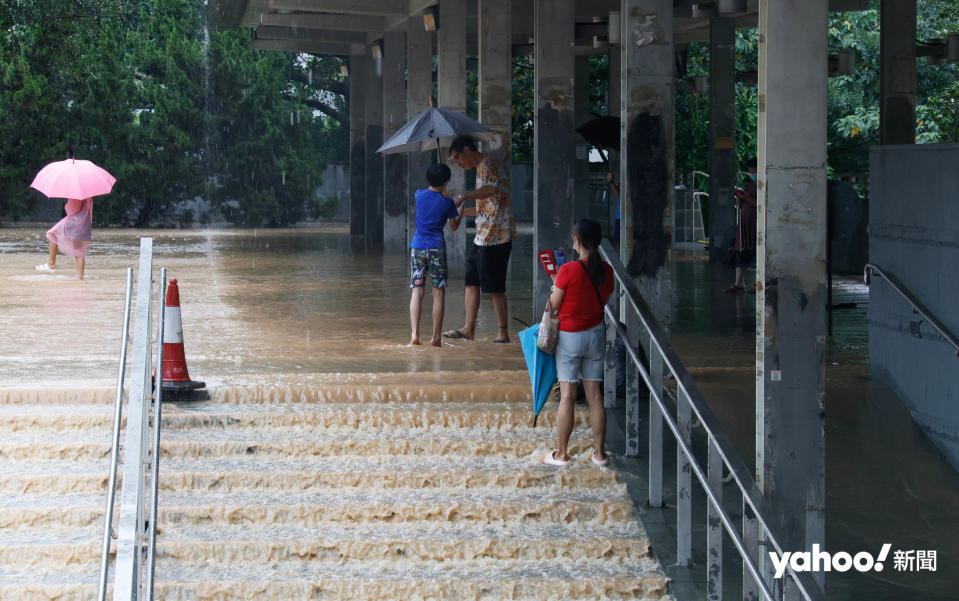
(541, 366)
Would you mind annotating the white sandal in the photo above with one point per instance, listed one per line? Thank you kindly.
(550, 459)
(45, 267)
(599, 462)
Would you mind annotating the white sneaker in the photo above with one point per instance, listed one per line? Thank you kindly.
(45, 267)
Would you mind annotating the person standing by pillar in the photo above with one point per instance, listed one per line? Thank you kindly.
(744, 249)
(488, 256)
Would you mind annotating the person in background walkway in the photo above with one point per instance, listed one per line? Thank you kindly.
(580, 291)
(71, 235)
(428, 250)
(488, 255)
(744, 249)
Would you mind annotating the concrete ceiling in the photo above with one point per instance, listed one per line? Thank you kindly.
(343, 27)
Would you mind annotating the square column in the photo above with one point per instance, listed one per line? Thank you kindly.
(419, 88)
(554, 158)
(358, 66)
(721, 211)
(496, 80)
(373, 104)
(581, 115)
(897, 72)
(451, 40)
(395, 165)
(791, 268)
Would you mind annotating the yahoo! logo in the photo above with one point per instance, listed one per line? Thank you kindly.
(822, 561)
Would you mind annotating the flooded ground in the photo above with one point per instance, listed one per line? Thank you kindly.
(253, 303)
(272, 316)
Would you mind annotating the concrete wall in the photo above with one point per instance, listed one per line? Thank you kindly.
(914, 237)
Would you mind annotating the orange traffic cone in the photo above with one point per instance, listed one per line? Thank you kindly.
(175, 374)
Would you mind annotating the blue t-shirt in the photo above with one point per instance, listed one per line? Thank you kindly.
(432, 211)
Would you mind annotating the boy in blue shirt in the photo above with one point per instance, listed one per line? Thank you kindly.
(428, 249)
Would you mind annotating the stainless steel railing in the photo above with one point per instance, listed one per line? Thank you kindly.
(912, 300)
(757, 516)
(140, 448)
(115, 451)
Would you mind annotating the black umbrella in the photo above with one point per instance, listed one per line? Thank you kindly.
(602, 132)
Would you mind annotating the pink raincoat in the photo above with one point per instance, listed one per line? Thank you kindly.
(73, 233)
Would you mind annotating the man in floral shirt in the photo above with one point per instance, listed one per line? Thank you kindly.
(488, 256)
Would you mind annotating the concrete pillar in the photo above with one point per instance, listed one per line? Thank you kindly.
(646, 143)
(373, 97)
(496, 79)
(451, 80)
(647, 108)
(613, 100)
(358, 67)
(419, 88)
(395, 166)
(722, 130)
(553, 144)
(581, 115)
(897, 72)
(791, 269)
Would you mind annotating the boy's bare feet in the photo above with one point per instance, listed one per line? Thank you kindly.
(414, 341)
(436, 342)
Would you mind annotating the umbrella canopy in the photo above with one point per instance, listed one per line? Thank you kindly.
(541, 366)
(432, 127)
(602, 132)
(73, 179)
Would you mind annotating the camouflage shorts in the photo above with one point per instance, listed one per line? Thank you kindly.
(433, 260)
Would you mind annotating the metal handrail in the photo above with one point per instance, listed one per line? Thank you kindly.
(157, 405)
(916, 305)
(114, 452)
(144, 412)
(717, 438)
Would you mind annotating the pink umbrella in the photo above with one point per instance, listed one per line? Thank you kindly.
(73, 179)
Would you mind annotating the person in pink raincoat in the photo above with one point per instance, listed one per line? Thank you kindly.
(71, 235)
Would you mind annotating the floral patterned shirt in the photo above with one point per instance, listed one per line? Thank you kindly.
(494, 215)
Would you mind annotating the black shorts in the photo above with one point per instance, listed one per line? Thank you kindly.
(486, 266)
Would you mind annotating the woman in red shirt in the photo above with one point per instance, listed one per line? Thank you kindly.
(580, 291)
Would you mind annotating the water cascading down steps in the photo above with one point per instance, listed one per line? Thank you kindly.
(324, 490)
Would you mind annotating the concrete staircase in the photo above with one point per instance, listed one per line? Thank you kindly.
(326, 491)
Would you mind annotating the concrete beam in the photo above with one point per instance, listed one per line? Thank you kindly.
(395, 171)
(269, 32)
(309, 47)
(360, 23)
(553, 144)
(451, 39)
(350, 7)
(791, 269)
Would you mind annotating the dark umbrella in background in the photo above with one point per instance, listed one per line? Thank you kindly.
(603, 133)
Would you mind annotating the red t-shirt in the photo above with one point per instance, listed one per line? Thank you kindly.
(581, 309)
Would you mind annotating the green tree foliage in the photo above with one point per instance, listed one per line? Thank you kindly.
(174, 111)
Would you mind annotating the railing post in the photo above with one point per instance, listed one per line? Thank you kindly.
(655, 426)
(609, 367)
(714, 528)
(751, 542)
(684, 483)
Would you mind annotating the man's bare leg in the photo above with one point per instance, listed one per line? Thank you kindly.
(471, 301)
(416, 305)
(439, 307)
(502, 317)
(81, 263)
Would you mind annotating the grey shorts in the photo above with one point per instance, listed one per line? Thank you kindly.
(579, 355)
